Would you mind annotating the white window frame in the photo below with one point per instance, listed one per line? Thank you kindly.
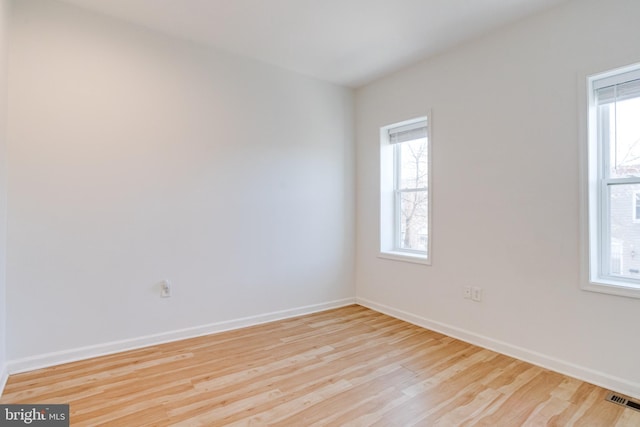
(390, 228)
(598, 183)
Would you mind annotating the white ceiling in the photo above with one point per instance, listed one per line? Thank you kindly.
(348, 42)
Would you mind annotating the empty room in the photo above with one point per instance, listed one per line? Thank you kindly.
(297, 212)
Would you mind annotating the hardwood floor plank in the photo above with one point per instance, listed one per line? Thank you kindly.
(346, 367)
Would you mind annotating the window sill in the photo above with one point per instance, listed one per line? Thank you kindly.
(613, 287)
(405, 257)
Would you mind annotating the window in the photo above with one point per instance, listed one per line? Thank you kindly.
(405, 192)
(636, 206)
(614, 181)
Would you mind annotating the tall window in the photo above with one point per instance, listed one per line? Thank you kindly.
(404, 210)
(614, 181)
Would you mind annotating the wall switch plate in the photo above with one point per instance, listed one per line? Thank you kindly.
(165, 289)
(467, 292)
(476, 294)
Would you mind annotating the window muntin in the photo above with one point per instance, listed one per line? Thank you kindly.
(405, 199)
(614, 181)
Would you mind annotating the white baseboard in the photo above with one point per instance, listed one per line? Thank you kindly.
(4, 376)
(82, 353)
(619, 385)
(601, 379)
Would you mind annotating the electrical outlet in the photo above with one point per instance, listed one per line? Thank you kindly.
(476, 294)
(467, 292)
(165, 289)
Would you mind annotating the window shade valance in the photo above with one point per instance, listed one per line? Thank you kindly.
(408, 132)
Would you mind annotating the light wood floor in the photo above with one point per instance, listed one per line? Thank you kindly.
(350, 366)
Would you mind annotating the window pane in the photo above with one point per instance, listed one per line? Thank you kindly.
(413, 164)
(624, 231)
(413, 220)
(621, 126)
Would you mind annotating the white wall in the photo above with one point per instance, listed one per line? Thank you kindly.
(506, 192)
(4, 12)
(136, 157)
